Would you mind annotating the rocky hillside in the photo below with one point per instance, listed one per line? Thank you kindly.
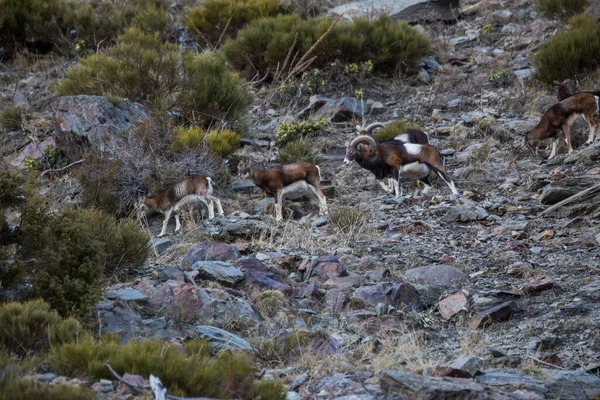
(491, 294)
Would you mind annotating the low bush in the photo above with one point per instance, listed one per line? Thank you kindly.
(71, 254)
(569, 53)
(394, 129)
(191, 372)
(348, 219)
(298, 150)
(216, 15)
(290, 348)
(142, 68)
(263, 45)
(11, 117)
(561, 9)
(292, 131)
(269, 302)
(222, 142)
(32, 327)
(12, 387)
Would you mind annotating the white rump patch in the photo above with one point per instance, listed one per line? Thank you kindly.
(414, 171)
(412, 148)
(597, 104)
(403, 138)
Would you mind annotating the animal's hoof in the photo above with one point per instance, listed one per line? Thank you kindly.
(160, 235)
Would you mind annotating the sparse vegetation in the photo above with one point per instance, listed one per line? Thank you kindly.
(499, 78)
(298, 150)
(292, 131)
(11, 117)
(222, 142)
(143, 68)
(394, 129)
(263, 45)
(12, 387)
(569, 53)
(269, 302)
(191, 372)
(348, 219)
(561, 9)
(218, 18)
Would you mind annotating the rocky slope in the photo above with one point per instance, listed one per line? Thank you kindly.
(484, 289)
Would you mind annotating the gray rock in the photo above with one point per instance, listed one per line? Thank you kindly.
(500, 313)
(221, 339)
(244, 187)
(209, 252)
(426, 11)
(453, 103)
(567, 187)
(435, 275)
(399, 295)
(466, 154)
(423, 76)
(33, 150)
(232, 228)
(117, 317)
(171, 273)
(258, 278)
(344, 109)
(219, 271)
(19, 99)
(126, 294)
(432, 64)
(298, 381)
(469, 211)
(319, 222)
(48, 377)
(96, 119)
(161, 244)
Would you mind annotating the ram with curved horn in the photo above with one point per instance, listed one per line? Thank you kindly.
(400, 160)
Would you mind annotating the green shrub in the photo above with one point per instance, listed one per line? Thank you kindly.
(569, 53)
(288, 132)
(562, 9)
(10, 117)
(298, 150)
(12, 387)
(348, 219)
(143, 68)
(263, 45)
(500, 78)
(35, 20)
(222, 143)
(394, 129)
(214, 15)
(184, 373)
(32, 327)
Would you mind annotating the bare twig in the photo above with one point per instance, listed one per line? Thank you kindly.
(222, 34)
(61, 169)
(577, 196)
(545, 363)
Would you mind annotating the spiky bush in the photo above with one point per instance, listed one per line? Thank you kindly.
(569, 53)
(31, 327)
(143, 68)
(11, 117)
(191, 372)
(263, 45)
(30, 19)
(348, 219)
(298, 150)
(12, 387)
(221, 142)
(561, 9)
(214, 15)
(394, 129)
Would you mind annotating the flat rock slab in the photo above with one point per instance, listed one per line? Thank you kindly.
(126, 294)
(500, 313)
(221, 339)
(452, 305)
(210, 252)
(538, 285)
(161, 244)
(230, 229)
(219, 271)
(567, 187)
(410, 10)
(435, 275)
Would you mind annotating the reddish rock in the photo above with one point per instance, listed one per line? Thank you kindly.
(324, 267)
(178, 301)
(538, 285)
(33, 150)
(453, 304)
(312, 291)
(399, 295)
(345, 282)
(435, 275)
(378, 275)
(210, 252)
(463, 367)
(502, 312)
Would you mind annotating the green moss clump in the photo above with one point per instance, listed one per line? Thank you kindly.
(191, 372)
(263, 45)
(289, 132)
(569, 53)
(215, 15)
(394, 129)
(561, 9)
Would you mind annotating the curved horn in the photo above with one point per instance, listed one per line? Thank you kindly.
(374, 125)
(363, 139)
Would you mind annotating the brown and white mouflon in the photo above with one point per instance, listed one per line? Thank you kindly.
(408, 160)
(173, 197)
(558, 119)
(408, 136)
(286, 181)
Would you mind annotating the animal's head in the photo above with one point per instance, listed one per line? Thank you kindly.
(243, 169)
(361, 146)
(531, 141)
(143, 207)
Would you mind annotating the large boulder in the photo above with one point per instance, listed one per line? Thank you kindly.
(435, 275)
(209, 252)
(399, 295)
(95, 119)
(258, 278)
(219, 271)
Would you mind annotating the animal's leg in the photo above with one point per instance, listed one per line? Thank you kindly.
(427, 185)
(211, 207)
(446, 178)
(565, 129)
(163, 231)
(589, 118)
(219, 207)
(278, 205)
(177, 223)
(554, 147)
(397, 192)
(321, 198)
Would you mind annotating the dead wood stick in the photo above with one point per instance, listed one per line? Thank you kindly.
(61, 169)
(568, 200)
